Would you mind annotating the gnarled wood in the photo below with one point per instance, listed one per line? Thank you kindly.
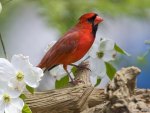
(85, 98)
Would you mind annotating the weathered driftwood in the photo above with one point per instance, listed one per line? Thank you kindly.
(119, 97)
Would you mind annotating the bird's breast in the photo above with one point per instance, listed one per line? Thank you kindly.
(83, 46)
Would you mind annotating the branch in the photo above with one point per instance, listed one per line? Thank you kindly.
(85, 98)
(3, 46)
(64, 100)
(122, 96)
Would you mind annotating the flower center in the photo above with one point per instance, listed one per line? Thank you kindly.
(100, 54)
(6, 98)
(19, 75)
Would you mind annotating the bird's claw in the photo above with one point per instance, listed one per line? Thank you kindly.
(83, 66)
(76, 82)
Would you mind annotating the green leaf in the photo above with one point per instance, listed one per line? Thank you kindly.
(30, 89)
(63, 82)
(98, 82)
(119, 50)
(110, 70)
(141, 60)
(22, 96)
(26, 109)
(74, 70)
(147, 42)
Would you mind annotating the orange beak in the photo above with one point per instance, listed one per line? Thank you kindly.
(98, 20)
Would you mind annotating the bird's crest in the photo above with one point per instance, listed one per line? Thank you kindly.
(87, 16)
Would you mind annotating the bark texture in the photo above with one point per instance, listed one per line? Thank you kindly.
(120, 96)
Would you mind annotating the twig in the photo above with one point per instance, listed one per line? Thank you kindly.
(3, 46)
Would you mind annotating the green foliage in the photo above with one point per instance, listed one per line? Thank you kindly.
(22, 96)
(64, 13)
(9, 6)
(143, 58)
(97, 82)
(30, 89)
(110, 70)
(74, 70)
(26, 109)
(63, 82)
(147, 42)
(119, 50)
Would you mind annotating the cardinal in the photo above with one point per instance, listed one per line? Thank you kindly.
(73, 45)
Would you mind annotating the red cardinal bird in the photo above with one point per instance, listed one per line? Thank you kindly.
(74, 44)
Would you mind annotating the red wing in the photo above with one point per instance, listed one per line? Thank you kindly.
(63, 47)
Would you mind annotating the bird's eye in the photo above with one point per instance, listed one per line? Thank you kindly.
(90, 20)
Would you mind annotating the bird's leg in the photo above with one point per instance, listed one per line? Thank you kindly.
(81, 67)
(65, 68)
(69, 75)
(74, 82)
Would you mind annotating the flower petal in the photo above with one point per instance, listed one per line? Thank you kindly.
(93, 79)
(17, 102)
(58, 72)
(32, 76)
(104, 82)
(20, 62)
(97, 67)
(15, 106)
(109, 55)
(47, 82)
(94, 49)
(2, 106)
(3, 86)
(15, 87)
(106, 45)
(7, 70)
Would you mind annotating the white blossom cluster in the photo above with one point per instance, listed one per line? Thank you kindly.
(102, 51)
(14, 77)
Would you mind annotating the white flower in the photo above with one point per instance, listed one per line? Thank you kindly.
(58, 72)
(9, 102)
(97, 67)
(100, 53)
(0, 7)
(103, 50)
(19, 73)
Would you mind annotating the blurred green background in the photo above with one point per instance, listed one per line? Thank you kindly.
(27, 26)
(63, 14)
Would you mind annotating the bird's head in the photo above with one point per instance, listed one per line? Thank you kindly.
(90, 18)
(90, 21)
